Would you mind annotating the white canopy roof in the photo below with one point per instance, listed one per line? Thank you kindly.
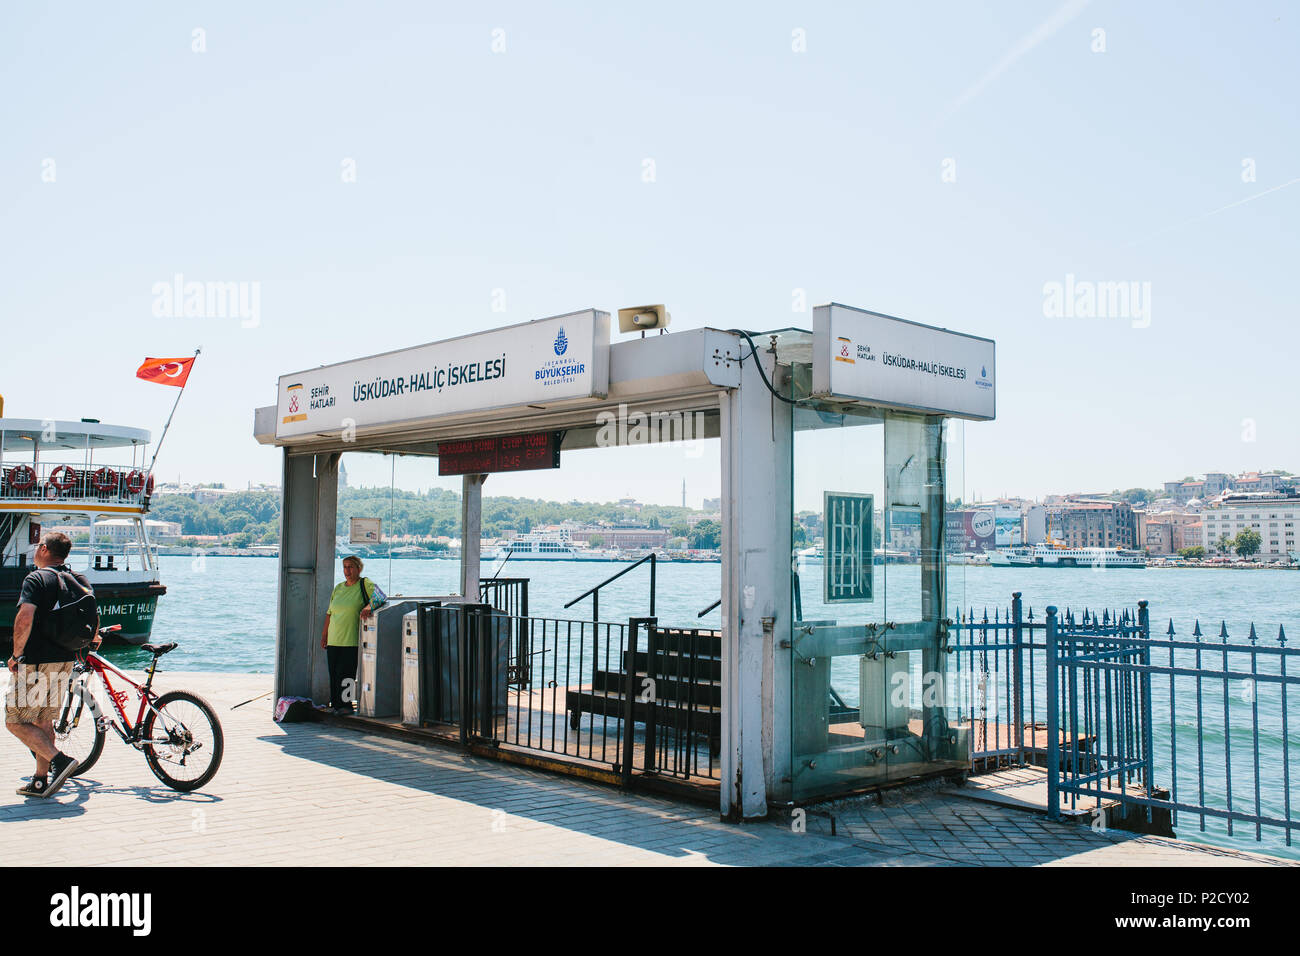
(22, 434)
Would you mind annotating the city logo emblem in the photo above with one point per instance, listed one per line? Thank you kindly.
(844, 351)
(983, 381)
(561, 343)
(294, 415)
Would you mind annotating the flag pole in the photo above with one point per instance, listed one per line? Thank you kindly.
(158, 447)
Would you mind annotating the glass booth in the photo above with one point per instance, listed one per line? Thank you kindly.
(871, 697)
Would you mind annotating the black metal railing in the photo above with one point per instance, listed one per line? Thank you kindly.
(635, 698)
(594, 593)
(510, 597)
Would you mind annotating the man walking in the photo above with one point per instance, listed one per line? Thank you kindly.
(40, 667)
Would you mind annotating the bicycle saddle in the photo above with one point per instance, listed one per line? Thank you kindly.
(158, 650)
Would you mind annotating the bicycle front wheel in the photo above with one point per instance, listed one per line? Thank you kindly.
(78, 731)
(184, 742)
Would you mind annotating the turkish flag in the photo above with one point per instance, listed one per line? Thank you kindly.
(166, 371)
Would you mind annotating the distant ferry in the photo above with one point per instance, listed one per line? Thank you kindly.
(1041, 556)
(548, 546)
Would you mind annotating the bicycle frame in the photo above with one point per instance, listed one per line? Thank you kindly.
(129, 731)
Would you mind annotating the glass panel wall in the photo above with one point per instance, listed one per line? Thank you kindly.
(872, 597)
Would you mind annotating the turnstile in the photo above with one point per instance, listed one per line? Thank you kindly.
(380, 660)
(422, 658)
(411, 691)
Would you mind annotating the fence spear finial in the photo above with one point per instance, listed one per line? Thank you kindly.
(1223, 631)
(1252, 637)
(1281, 635)
(1196, 632)
(1171, 627)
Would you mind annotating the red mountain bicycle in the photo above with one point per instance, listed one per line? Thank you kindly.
(178, 732)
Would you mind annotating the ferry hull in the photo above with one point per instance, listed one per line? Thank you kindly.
(131, 605)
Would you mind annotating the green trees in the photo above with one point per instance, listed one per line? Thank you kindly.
(431, 513)
(705, 535)
(1225, 544)
(1194, 553)
(1136, 496)
(1248, 542)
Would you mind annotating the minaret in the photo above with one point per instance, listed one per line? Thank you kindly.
(683, 492)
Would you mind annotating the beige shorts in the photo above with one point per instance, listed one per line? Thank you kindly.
(36, 692)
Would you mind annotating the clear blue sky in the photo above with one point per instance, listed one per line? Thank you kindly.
(776, 170)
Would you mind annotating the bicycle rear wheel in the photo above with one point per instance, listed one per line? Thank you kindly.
(185, 742)
(77, 730)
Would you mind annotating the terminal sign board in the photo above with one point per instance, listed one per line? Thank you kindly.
(560, 359)
(365, 531)
(877, 359)
(482, 456)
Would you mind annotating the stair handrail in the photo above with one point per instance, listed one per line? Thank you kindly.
(709, 608)
(594, 593)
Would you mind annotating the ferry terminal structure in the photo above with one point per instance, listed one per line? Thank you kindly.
(807, 414)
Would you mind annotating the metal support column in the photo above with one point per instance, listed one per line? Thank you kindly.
(471, 531)
(756, 519)
(309, 507)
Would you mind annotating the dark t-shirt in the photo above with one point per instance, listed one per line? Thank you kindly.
(41, 589)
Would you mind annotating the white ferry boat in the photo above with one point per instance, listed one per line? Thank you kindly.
(547, 546)
(56, 473)
(1042, 556)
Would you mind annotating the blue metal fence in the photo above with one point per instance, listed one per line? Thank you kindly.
(1000, 668)
(1099, 727)
(1168, 730)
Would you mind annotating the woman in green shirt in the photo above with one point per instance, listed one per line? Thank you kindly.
(349, 605)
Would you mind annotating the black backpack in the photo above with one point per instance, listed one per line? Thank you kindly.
(72, 622)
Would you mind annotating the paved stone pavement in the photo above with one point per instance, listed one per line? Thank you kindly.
(316, 794)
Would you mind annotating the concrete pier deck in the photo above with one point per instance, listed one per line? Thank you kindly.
(322, 795)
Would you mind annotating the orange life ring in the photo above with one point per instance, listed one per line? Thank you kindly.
(63, 477)
(135, 481)
(21, 477)
(104, 480)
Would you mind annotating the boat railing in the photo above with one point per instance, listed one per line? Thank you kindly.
(75, 483)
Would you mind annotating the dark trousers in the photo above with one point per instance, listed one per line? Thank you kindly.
(343, 667)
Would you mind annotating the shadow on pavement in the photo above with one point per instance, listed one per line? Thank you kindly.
(651, 823)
